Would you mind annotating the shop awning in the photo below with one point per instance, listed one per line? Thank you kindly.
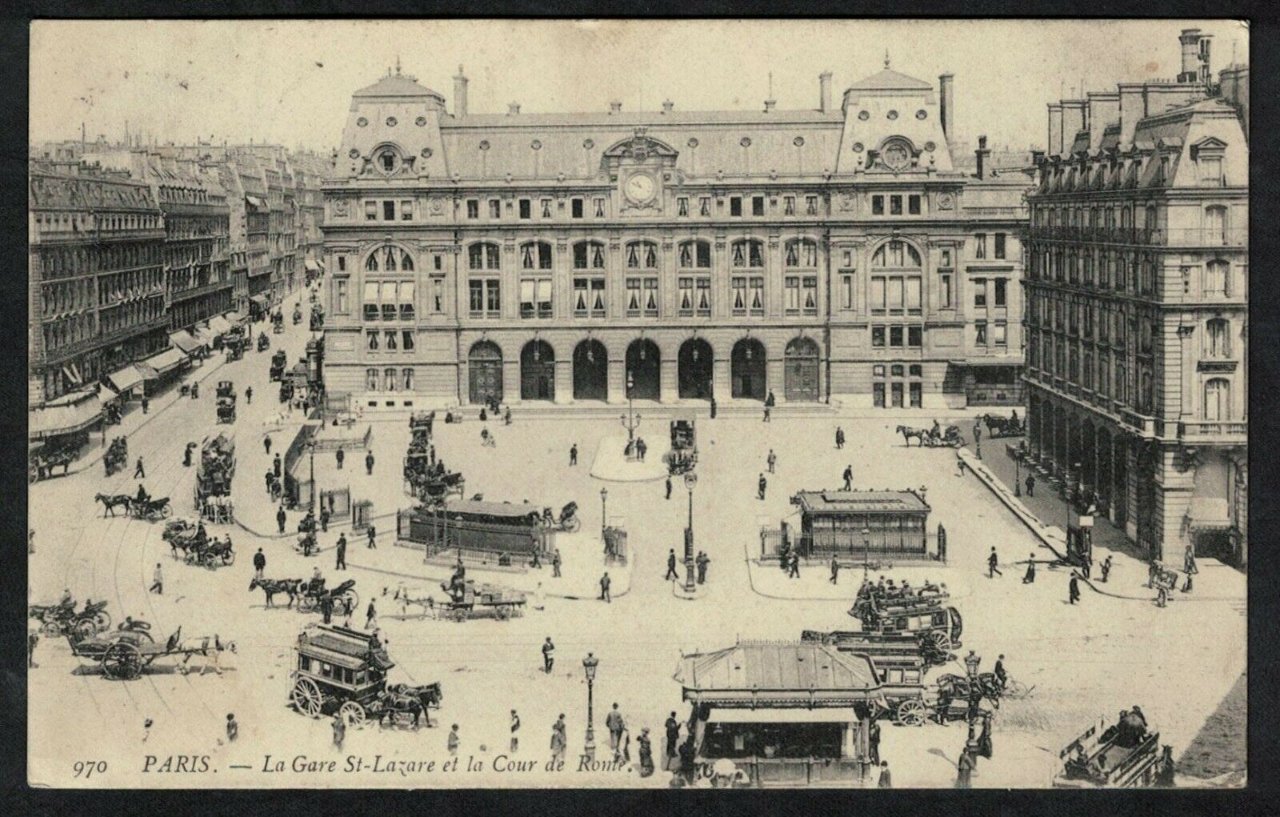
(125, 379)
(219, 325)
(51, 421)
(801, 675)
(167, 361)
(260, 300)
(106, 394)
(721, 714)
(1209, 513)
(203, 335)
(256, 202)
(185, 341)
(235, 318)
(313, 266)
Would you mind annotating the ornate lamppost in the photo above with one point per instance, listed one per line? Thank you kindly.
(604, 510)
(866, 553)
(589, 665)
(971, 662)
(311, 449)
(690, 480)
(630, 420)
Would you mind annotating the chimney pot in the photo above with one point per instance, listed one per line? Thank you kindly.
(615, 106)
(513, 108)
(769, 105)
(460, 94)
(947, 105)
(667, 106)
(824, 91)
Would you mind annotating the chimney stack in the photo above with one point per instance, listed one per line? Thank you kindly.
(769, 105)
(513, 108)
(982, 152)
(460, 94)
(1195, 56)
(667, 106)
(947, 107)
(824, 92)
(615, 106)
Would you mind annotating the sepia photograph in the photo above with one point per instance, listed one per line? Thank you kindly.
(936, 331)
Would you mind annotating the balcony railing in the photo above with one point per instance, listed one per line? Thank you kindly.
(1212, 429)
(1180, 237)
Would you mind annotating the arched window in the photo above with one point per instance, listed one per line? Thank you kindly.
(371, 379)
(695, 255)
(1217, 399)
(642, 255)
(1217, 338)
(535, 255)
(588, 255)
(483, 256)
(747, 253)
(801, 252)
(896, 254)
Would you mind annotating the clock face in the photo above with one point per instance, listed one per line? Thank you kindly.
(896, 156)
(640, 188)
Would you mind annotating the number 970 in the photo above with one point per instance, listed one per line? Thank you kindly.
(88, 768)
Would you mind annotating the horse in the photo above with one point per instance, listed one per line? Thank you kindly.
(208, 648)
(411, 700)
(952, 687)
(111, 501)
(907, 433)
(290, 587)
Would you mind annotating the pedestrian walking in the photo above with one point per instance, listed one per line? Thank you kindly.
(1106, 568)
(835, 570)
(886, 779)
(339, 730)
(1030, 576)
(138, 471)
(266, 444)
(839, 437)
(646, 753)
(1031, 485)
(1186, 585)
(992, 562)
(233, 728)
(280, 518)
(454, 740)
(573, 455)
(1073, 589)
(761, 485)
(340, 456)
(515, 731)
(368, 463)
(847, 476)
(33, 638)
(259, 563)
(959, 464)
(341, 557)
(157, 581)
(605, 581)
(324, 520)
(248, 395)
(559, 742)
(276, 466)
(668, 486)
(555, 563)
(713, 408)
(771, 460)
(373, 532)
(370, 616)
(964, 770)
(615, 724)
(1189, 560)
(1162, 596)
(703, 562)
(767, 409)
(548, 656)
(794, 571)
(146, 405)
(326, 608)
(673, 740)
(671, 566)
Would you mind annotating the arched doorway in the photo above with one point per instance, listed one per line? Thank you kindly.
(484, 367)
(537, 371)
(590, 371)
(800, 377)
(695, 367)
(747, 369)
(644, 367)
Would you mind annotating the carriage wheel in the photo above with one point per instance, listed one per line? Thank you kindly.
(122, 660)
(573, 525)
(911, 712)
(166, 511)
(351, 598)
(51, 629)
(103, 619)
(307, 602)
(352, 712)
(938, 640)
(501, 613)
(1016, 690)
(306, 697)
(229, 557)
(86, 628)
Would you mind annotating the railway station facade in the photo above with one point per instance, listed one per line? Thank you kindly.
(836, 252)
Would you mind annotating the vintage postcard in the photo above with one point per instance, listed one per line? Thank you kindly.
(549, 404)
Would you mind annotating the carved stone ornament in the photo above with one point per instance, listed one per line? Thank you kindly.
(946, 201)
(341, 208)
(847, 201)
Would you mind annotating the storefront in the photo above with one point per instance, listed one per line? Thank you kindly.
(163, 368)
(781, 714)
(189, 344)
(127, 382)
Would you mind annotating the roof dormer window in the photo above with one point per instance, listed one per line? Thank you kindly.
(387, 160)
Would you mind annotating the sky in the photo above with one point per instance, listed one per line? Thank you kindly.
(290, 82)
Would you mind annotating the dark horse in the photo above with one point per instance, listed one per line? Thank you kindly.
(289, 587)
(956, 687)
(112, 501)
(920, 434)
(402, 699)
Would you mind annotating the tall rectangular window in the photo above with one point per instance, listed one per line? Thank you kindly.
(846, 291)
(406, 210)
(546, 208)
(747, 297)
(526, 208)
(371, 310)
(895, 336)
(704, 206)
(895, 205)
(999, 245)
(980, 245)
(1000, 334)
(388, 211)
(980, 293)
(877, 205)
(735, 206)
(575, 208)
(340, 297)
(484, 297)
(913, 205)
(896, 293)
(588, 298)
(370, 211)
(980, 333)
(788, 205)
(1001, 292)
(495, 208)
(599, 204)
(944, 291)
(914, 287)
(437, 294)
(757, 205)
(915, 336)
(877, 304)
(877, 336)
(682, 206)
(642, 297)
(811, 205)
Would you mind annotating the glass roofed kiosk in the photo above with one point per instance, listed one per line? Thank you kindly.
(859, 524)
(780, 714)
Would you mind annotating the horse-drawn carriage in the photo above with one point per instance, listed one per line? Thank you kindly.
(264, 342)
(934, 437)
(568, 520)
(344, 671)
(62, 618)
(124, 655)
(117, 456)
(217, 468)
(234, 345)
(466, 599)
(226, 406)
(317, 318)
(683, 455)
(41, 462)
(277, 323)
(923, 614)
(278, 361)
(1125, 754)
(1011, 426)
(211, 553)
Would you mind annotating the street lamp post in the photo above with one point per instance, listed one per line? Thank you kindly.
(589, 665)
(690, 480)
(971, 662)
(604, 510)
(866, 552)
(1017, 473)
(630, 420)
(311, 449)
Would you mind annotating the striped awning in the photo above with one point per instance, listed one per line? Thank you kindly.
(185, 341)
(106, 394)
(50, 421)
(167, 361)
(125, 379)
(219, 325)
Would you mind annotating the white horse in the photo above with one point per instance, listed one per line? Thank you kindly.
(209, 648)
